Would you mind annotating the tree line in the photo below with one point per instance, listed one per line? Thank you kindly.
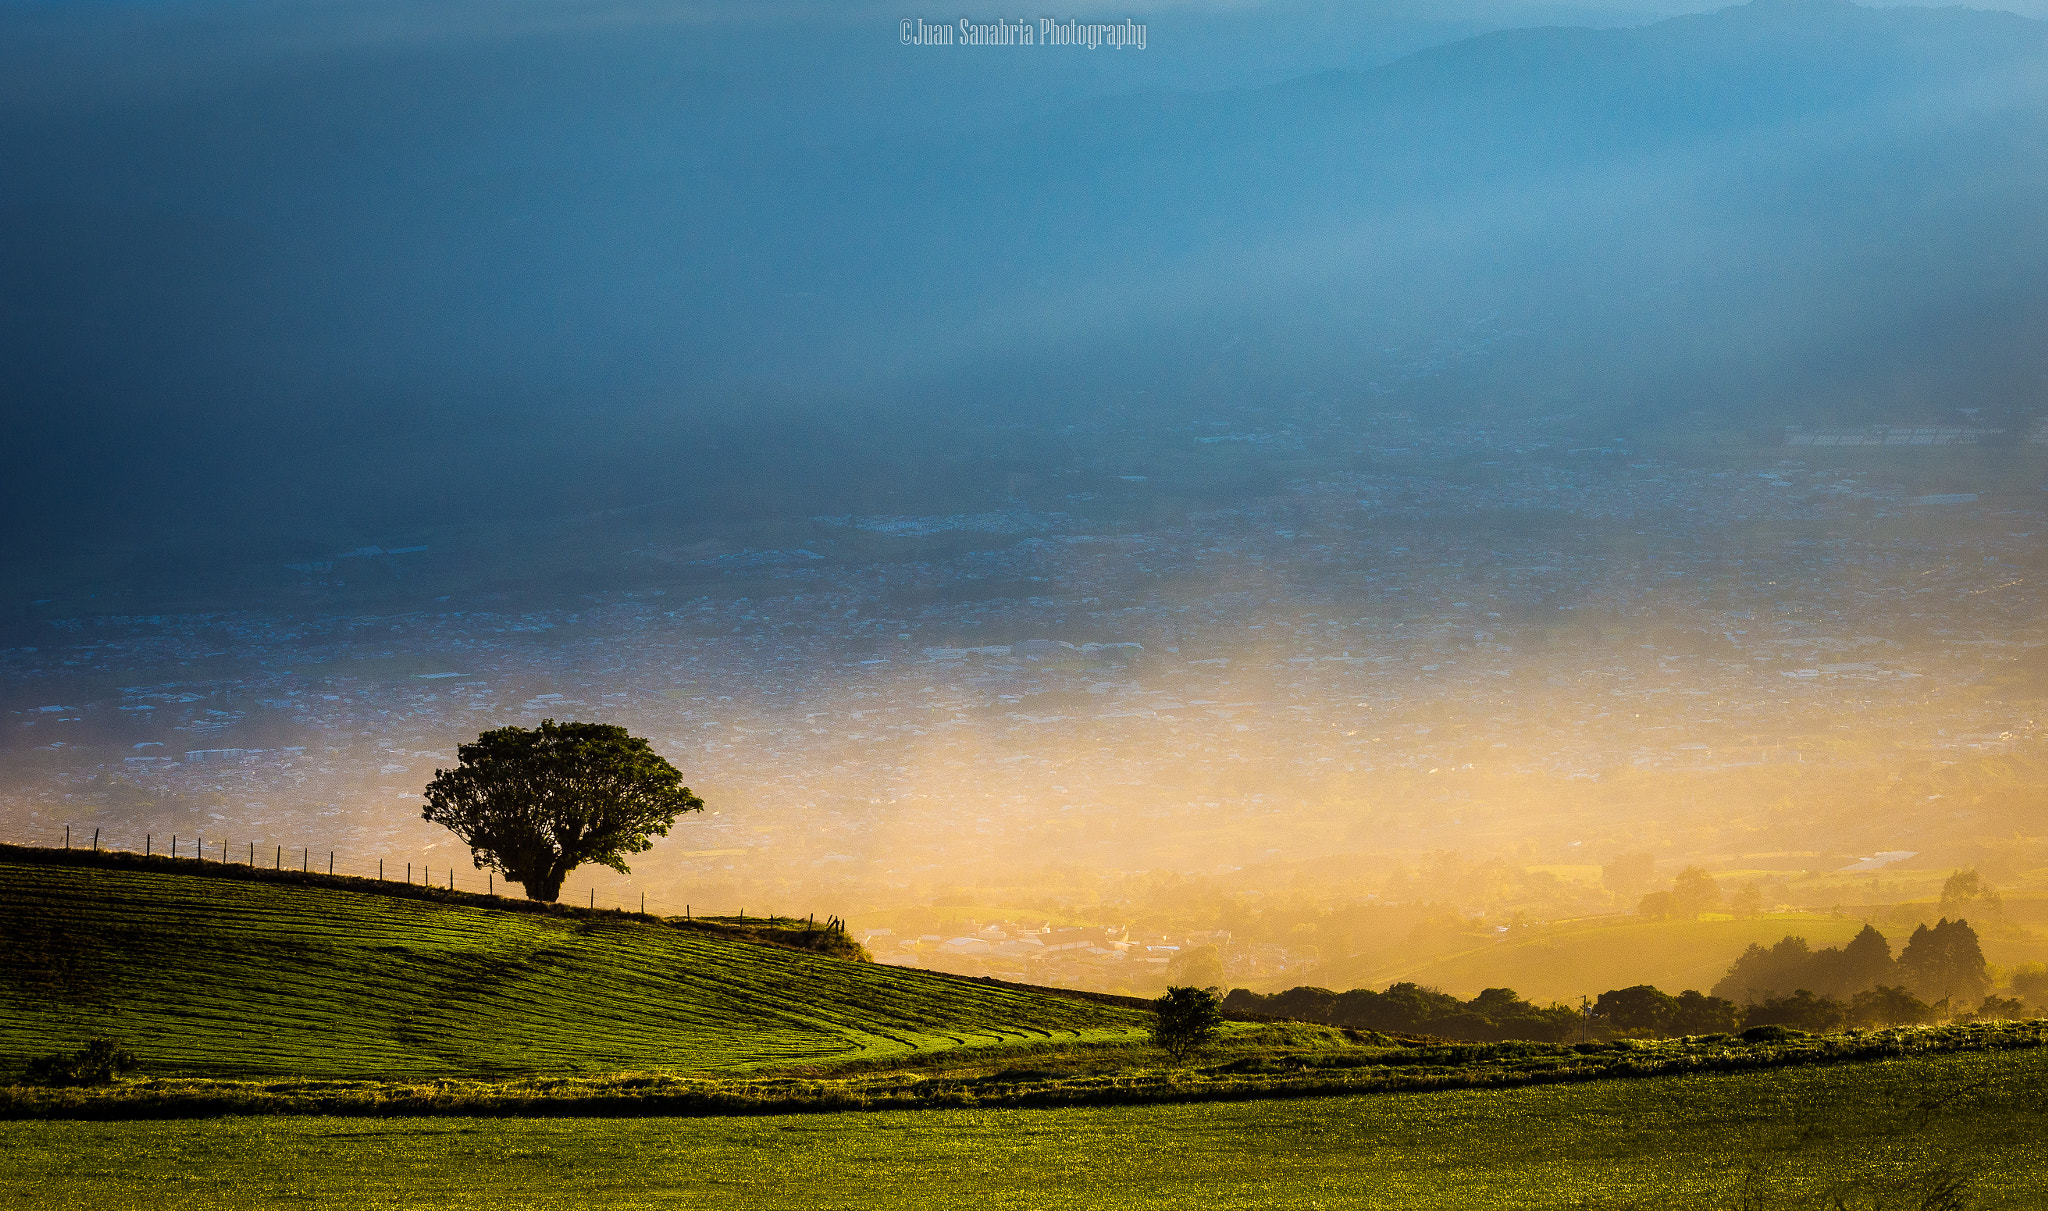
(1940, 975)
(1942, 966)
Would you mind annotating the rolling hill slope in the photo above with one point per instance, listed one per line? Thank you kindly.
(212, 976)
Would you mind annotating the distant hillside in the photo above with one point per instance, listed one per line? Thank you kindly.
(211, 976)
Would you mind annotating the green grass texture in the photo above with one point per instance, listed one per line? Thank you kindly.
(1954, 1131)
(217, 977)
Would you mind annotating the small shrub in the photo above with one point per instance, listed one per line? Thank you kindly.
(98, 1063)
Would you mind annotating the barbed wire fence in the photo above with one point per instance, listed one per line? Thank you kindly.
(273, 854)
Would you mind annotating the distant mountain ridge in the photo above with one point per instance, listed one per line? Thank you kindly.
(1513, 101)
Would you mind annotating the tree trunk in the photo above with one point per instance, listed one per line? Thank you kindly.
(544, 884)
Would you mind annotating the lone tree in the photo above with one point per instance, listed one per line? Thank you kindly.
(534, 804)
(1185, 1020)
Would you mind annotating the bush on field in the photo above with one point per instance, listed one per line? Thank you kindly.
(98, 1063)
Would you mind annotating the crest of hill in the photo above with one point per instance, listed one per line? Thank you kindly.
(208, 976)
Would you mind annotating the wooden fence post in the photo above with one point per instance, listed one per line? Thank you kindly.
(330, 861)
(145, 845)
(67, 836)
(279, 860)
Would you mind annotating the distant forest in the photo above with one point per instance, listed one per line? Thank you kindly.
(1941, 975)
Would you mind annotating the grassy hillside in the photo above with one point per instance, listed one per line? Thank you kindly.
(215, 976)
(1570, 959)
(1949, 1131)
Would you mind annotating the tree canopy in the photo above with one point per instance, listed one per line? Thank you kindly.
(1694, 892)
(1839, 972)
(1639, 1008)
(1945, 965)
(1185, 1020)
(1966, 891)
(534, 804)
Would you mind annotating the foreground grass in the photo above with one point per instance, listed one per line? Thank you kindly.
(1249, 1062)
(211, 976)
(1948, 1131)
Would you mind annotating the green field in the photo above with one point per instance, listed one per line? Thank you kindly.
(210, 976)
(1887, 1134)
(609, 1053)
(1569, 959)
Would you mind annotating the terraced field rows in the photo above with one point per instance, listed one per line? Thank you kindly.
(209, 976)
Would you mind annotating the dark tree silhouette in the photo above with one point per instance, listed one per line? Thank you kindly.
(1696, 1013)
(1945, 965)
(1886, 1005)
(1409, 1008)
(1866, 962)
(534, 804)
(1641, 1007)
(1802, 1010)
(1185, 1020)
(1863, 963)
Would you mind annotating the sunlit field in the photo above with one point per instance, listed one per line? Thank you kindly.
(1889, 1134)
(210, 976)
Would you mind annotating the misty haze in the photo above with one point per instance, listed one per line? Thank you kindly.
(1241, 564)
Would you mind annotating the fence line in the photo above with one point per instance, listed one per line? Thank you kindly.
(619, 900)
